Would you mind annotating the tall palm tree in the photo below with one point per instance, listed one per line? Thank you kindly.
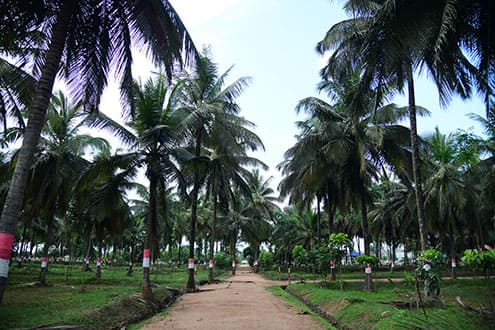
(444, 186)
(355, 139)
(153, 141)
(225, 170)
(88, 37)
(389, 52)
(58, 162)
(100, 197)
(211, 119)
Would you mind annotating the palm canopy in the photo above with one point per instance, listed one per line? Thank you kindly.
(352, 139)
(389, 38)
(100, 34)
(211, 120)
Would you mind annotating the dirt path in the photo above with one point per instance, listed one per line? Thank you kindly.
(242, 302)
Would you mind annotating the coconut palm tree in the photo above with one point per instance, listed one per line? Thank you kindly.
(356, 140)
(389, 51)
(226, 170)
(100, 195)
(88, 37)
(153, 142)
(211, 119)
(59, 160)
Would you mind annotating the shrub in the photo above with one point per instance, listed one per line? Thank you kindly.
(222, 260)
(266, 260)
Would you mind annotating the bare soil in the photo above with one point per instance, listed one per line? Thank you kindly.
(241, 302)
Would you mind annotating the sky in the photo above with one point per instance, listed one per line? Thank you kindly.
(273, 42)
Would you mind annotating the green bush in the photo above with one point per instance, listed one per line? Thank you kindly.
(300, 256)
(364, 260)
(266, 260)
(222, 260)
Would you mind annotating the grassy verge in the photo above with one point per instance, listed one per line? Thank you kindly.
(296, 276)
(276, 290)
(392, 305)
(81, 298)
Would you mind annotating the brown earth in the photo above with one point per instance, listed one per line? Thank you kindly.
(241, 302)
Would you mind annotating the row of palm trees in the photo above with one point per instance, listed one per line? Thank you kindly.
(80, 41)
(351, 154)
(190, 140)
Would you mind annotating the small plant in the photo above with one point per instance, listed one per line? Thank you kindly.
(482, 260)
(365, 260)
(425, 271)
(339, 243)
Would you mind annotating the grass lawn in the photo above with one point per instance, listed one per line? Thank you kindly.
(75, 301)
(358, 309)
(276, 290)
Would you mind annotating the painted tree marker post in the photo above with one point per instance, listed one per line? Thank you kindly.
(211, 263)
(86, 263)
(146, 258)
(368, 281)
(98, 267)
(6, 242)
(44, 262)
(454, 267)
(233, 266)
(332, 270)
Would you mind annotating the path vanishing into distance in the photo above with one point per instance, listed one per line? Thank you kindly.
(241, 302)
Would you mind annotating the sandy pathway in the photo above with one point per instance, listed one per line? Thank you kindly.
(242, 302)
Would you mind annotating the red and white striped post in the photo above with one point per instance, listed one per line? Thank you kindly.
(44, 262)
(146, 258)
(368, 280)
(6, 242)
(211, 263)
(453, 263)
(190, 263)
(98, 267)
(332, 270)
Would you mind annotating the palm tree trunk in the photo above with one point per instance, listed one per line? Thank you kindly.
(149, 241)
(212, 239)
(37, 113)
(232, 251)
(48, 242)
(418, 184)
(98, 259)
(318, 218)
(364, 225)
(194, 215)
(330, 210)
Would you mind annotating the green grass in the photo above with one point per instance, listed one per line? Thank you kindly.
(277, 291)
(360, 309)
(296, 276)
(74, 301)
